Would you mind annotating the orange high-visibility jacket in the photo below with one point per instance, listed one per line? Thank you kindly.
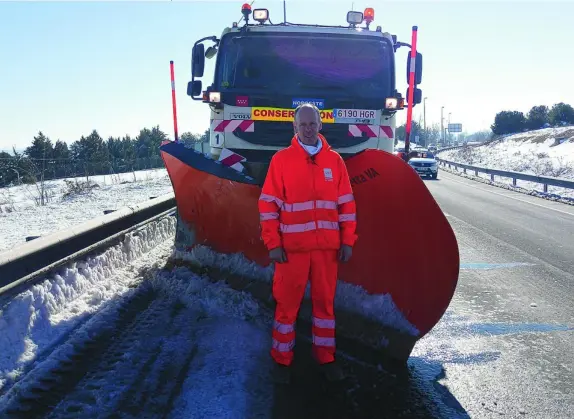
(307, 202)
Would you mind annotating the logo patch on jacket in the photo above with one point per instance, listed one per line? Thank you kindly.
(328, 174)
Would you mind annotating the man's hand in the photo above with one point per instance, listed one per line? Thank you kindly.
(345, 253)
(278, 255)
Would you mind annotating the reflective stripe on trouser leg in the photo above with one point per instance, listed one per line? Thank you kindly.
(324, 268)
(289, 282)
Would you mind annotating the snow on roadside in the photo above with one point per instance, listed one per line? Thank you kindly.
(33, 322)
(20, 217)
(349, 297)
(232, 339)
(545, 152)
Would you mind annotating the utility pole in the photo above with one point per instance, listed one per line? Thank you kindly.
(449, 134)
(442, 124)
(425, 114)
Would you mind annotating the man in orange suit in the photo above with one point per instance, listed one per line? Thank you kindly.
(308, 222)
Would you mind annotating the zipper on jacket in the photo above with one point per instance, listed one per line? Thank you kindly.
(314, 165)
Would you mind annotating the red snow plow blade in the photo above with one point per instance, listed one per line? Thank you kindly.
(406, 246)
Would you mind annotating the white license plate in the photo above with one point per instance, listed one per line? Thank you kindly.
(355, 116)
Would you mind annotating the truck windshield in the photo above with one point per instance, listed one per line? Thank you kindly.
(303, 64)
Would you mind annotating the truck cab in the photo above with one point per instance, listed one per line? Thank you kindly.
(264, 71)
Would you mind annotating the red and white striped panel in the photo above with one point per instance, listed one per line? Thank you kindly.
(230, 125)
(372, 131)
(231, 159)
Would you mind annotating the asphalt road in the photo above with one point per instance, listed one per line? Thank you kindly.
(505, 347)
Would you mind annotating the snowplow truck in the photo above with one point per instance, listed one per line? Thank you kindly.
(401, 284)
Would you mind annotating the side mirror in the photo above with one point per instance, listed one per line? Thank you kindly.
(194, 88)
(198, 60)
(418, 68)
(417, 97)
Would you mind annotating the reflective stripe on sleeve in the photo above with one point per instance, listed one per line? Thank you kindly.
(343, 199)
(270, 198)
(347, 217)
(265, 216)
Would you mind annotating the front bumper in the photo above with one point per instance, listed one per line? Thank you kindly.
(426, 171)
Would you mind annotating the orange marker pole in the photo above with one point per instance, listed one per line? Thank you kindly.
(173, 102)
(410, 99)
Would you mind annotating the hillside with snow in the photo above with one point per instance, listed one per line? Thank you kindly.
(544, 152)
(69, 202)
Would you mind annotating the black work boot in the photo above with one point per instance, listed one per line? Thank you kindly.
(332, 371)
(281, 374)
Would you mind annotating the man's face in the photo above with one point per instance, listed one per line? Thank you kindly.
(307, 125)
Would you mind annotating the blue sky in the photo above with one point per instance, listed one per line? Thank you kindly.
(70, 67)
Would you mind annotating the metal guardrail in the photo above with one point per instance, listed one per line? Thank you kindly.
(23, 264)
(544, 180)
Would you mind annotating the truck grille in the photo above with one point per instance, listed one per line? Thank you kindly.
(279, 134)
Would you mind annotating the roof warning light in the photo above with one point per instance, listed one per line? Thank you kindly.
(246, 11)
(369, 14)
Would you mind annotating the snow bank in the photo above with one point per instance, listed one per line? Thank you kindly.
(545, 152)
(230, 330)
(349, 297)
(33, 322)
(21, 217)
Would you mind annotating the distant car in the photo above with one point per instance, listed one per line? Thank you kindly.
(424, 163)
(433, 149)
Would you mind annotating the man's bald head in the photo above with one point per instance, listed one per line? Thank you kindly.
(308, 107)
(307, 123)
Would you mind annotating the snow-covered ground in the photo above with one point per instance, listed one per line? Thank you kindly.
(21, 216)
(37, 319)
(40, 327)
(544, 152)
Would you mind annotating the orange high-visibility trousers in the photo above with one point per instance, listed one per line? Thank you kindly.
(289, 283)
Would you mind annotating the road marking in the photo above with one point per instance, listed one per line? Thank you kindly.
(512, 197)
(488, 266)
(511, 328)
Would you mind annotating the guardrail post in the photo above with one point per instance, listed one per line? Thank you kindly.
(491, 177)
(546, 188)
(476, 173)
(513, 181)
